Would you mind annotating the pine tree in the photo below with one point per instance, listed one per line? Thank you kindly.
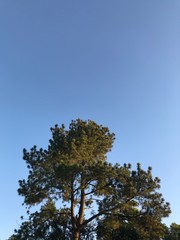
(73, 173)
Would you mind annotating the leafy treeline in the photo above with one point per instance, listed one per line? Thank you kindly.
(83, 196)
(172, 233)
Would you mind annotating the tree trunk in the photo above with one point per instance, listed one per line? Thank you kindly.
(76, 235)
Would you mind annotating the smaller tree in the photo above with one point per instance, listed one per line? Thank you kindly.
(144, 227)
(140, 215)
(173, 233)
(48, 223)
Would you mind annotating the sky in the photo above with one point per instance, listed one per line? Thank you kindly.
(115, 62)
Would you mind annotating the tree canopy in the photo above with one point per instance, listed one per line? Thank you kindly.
(80, 192)
(173, 232)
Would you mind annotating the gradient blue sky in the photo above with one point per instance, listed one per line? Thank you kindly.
(115, 62)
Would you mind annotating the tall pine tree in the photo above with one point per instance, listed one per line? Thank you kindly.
(78, 189)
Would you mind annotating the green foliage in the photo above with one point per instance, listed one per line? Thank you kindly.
(48, 223)
(136, 207)
(143, 227)
(173, 233)
(74, 173)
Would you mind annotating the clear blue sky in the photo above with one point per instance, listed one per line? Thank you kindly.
(115, 62)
